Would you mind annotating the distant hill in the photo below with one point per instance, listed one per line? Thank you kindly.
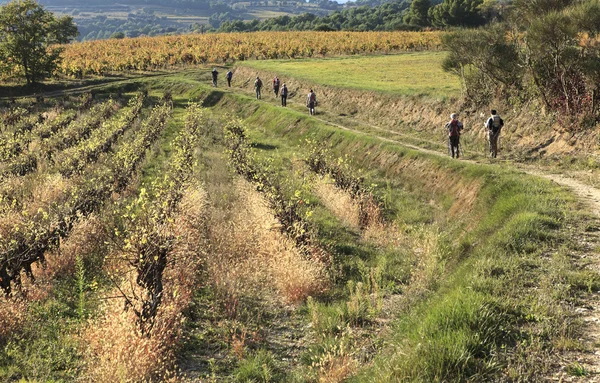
(98, 19)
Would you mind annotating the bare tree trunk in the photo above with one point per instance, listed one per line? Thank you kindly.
(565, 92)
(594, 95)
(536, 81)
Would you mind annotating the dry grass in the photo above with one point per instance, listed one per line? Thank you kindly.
(116, 350)
(12, 316)
(338, 202)
(252, 258)
(348, 211)
(338, 369)
(87, 239)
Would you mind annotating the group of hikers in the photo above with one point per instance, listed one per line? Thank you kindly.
(493, 124)
(278, 89)
(311, 98)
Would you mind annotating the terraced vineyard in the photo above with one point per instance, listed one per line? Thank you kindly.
(187, 233)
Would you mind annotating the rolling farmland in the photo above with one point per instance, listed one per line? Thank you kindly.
(160, 229)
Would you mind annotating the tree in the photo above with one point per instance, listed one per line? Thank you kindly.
(28, 34)
(464, 13)
(417, 13)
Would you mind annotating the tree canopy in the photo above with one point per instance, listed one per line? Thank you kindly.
(28, 34)
(546, 50)
(417, 13)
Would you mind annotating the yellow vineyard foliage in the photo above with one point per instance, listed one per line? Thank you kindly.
(152, 53)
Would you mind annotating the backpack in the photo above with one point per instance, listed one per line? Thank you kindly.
(313, 97)
(495, 123)
(453, 129)
(258, 83)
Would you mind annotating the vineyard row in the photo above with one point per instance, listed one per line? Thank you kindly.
(25, 238)
(152, 53)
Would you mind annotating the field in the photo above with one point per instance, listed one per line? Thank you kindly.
(100, 57)
(403, 74)
(160, 229)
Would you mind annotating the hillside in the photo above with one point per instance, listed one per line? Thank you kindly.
(159, 223)
(345, 245)
(102, 19)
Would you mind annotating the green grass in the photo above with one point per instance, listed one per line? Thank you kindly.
(483, 304)
(503, 269)
(404, 74)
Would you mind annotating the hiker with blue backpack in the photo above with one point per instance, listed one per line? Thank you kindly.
(454, 128)
(494, 124)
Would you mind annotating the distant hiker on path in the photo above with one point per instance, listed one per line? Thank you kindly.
(276, 86)
(214, 76)
(311, 102)
(284, 93)
(229, 76)
(494, 124)
(257, 85)
(454, 127)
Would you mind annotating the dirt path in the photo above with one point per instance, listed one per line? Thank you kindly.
(587, 359)
(583, 363)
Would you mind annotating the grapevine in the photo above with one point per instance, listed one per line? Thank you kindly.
(321, 162)
(286, 210)
(25, 238)
(73, 159)
(154, 53)
(146, 236)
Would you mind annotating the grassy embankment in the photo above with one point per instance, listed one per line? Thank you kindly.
(417, 104)
(496, 305)
(474, 281)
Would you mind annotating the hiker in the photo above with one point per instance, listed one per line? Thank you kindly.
(214, 76)
(454, 127)
(311, 102)
(257, 85)
(494, 124)
(284, 93)
(228, 76)
(276, 86)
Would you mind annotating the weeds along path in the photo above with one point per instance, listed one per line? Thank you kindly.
(575, 364)
(586, 193)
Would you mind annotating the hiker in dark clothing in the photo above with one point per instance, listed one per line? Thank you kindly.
(276, 86)
(257, 86)
(229, 76)
(284, 94)
(311, 102)
(214, 76)
(494, 125)
(454, 127)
